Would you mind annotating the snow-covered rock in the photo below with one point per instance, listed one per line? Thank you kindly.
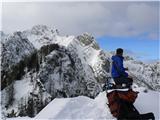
(64, 75)
(61, 66)
(145, 74)
(41, 35)
(15, 54)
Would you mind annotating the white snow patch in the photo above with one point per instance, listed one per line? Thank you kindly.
(74, 108)
(22, 88)
(64, 40)
(148, 102)
(20, 118)
(93, 57)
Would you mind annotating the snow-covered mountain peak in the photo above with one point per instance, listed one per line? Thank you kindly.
(43, 29)
(88, 40)
(41, 35)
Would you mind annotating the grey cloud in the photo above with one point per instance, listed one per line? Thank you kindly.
(97, 18)
(142, 16)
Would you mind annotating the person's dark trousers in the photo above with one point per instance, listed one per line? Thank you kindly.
(123, 80)
(129, 112)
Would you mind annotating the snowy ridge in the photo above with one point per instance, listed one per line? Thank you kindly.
(77, 108)
(93, 109)
(85, 108)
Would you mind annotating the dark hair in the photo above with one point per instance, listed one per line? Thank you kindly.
(119, 51)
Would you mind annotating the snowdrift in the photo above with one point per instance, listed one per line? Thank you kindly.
(82, 108)
(85, 108)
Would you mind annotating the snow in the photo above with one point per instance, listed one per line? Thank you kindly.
(148, 73)
(148, 102)
(33, 40)
(49, 112)
(92, 56)
(21, 118)
(64, 40)
(22, 92)
(22, 88)
(94, 109)
(87, 53)
(39, 40)
(75, 108)
(83, 108)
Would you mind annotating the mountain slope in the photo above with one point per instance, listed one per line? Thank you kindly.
(145, 74)
(57, 66)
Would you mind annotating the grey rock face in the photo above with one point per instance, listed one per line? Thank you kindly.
(87, 39)
(15, 52)
(64, 76)
(51, 71)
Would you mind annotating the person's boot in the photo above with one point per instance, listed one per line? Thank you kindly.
(147, 116)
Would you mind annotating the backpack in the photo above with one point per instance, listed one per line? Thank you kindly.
(115, 97)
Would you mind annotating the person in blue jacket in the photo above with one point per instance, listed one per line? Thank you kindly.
(118, 72)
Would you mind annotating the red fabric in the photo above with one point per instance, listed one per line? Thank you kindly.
(129, 96)
(114, 98)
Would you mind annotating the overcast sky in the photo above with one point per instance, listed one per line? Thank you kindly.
(97, 18)
(133, 26)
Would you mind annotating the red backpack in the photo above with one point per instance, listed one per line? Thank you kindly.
(115, 97)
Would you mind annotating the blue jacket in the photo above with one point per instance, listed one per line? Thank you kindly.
(119, 63)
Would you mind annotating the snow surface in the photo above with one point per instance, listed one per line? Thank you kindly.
(27, 88)
(22, 88)
(148, 102)
(76, 108)
(21, 118)
(85, 108)
(82, 108)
